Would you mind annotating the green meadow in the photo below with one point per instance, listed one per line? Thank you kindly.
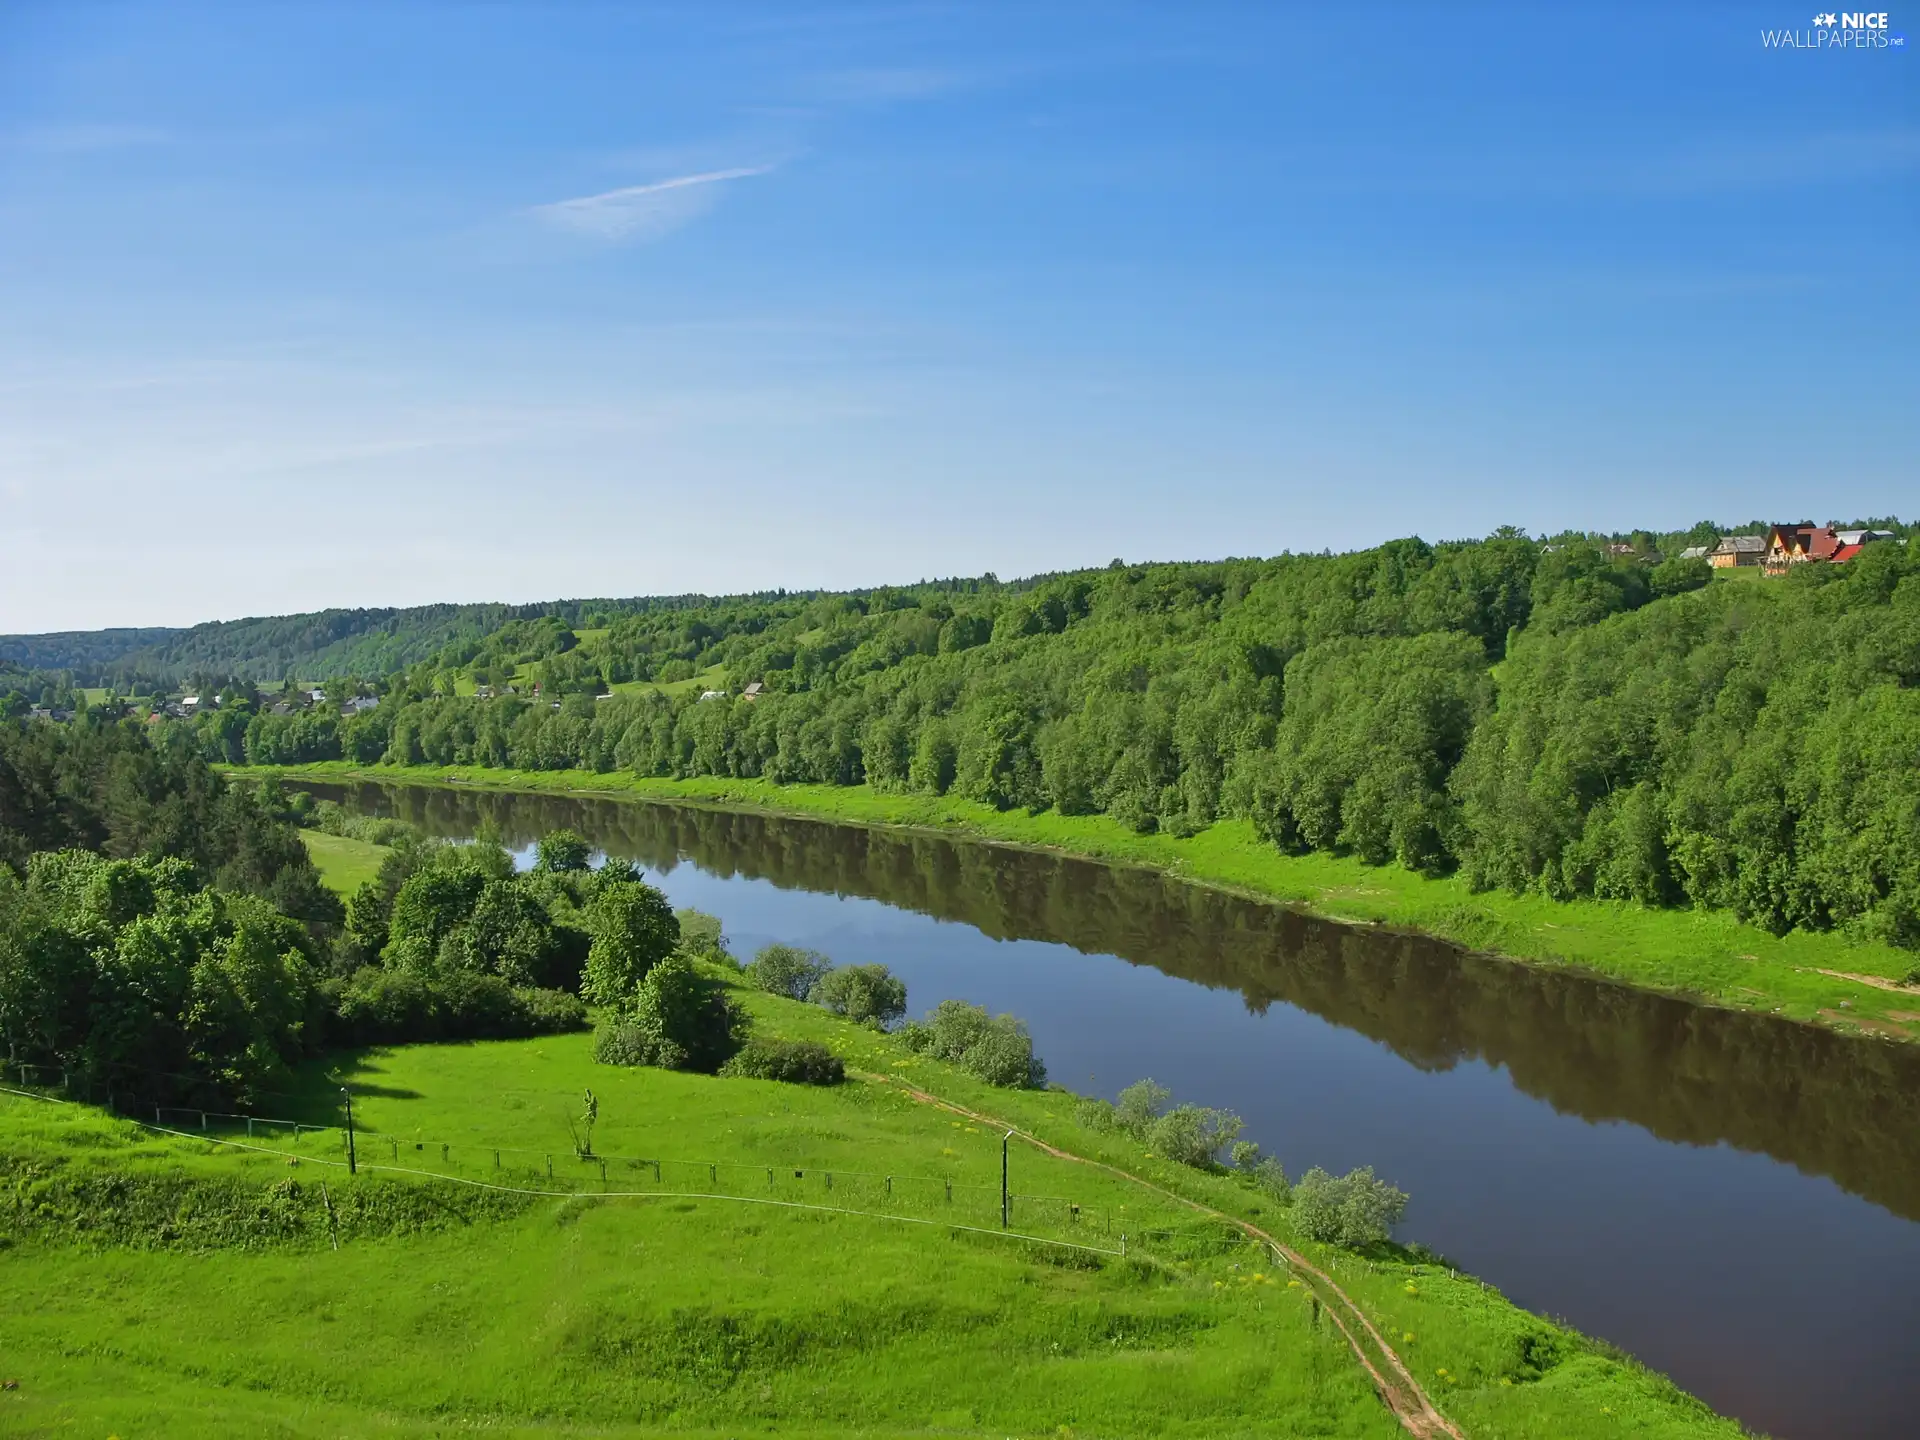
(344, 863)
(1707, 956)
(802, 1261)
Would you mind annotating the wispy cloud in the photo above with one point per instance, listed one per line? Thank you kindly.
(642, 212)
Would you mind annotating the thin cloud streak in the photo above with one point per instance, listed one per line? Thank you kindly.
(642, 212)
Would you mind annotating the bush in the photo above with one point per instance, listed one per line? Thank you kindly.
(701, 938)
(862, 992)
(1139, 1106)
(798, 1062)
(996, 1048)
(785, 970)
(385, 1007)
(1263, 1172)
(562, 852)
(1194, 1134)
(1191, 1134)
(678, 1020)
(1356, 1209)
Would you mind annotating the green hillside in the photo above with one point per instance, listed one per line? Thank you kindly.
(782, 1278)
(1560, 721)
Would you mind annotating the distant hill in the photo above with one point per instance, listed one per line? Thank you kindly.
(314, 646)
(317, 645)
(81, 649)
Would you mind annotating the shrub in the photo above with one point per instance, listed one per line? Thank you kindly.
(1191, 1134)
(387, 1007)
(798, 1062)
(1139, 1106)
(551, 1012)
(702, 938)
(785, 970)
(1263, 1172)
(1095, 1114)
(1194, 1134)
(562, 851)
(862, 992)
(997, 1048)
(1355, 1209)
(621, 1043)
(678, 1020)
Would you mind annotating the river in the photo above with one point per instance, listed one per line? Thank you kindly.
(1731, 1198)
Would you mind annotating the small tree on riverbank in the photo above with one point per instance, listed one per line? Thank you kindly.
(787, 970)
(863, 993)
(997, 1048)
(1356, 1209)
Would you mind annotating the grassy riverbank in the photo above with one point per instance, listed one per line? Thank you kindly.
(1709, 957)
(173, 1286)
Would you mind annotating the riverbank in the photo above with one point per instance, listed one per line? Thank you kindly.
(1706, 957)
(834, 1270)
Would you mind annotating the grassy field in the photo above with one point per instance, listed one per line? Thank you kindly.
(163, 1285)
(707, 679)
(1705, 956)
(344, 863)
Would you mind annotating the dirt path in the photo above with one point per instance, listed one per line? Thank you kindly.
(1878, 982)
(1397, 1387)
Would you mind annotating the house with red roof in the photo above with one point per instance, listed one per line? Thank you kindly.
(1790, 545)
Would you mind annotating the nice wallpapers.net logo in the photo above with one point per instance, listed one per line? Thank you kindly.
(1843, 30)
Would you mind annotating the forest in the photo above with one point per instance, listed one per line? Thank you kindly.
(165, 936)
(1570, 718)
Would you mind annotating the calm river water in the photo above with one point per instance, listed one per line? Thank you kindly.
(1731, 1198)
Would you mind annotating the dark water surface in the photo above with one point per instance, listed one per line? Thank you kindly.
(1730, 1197)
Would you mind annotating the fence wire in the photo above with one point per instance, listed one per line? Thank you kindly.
(564, 1172)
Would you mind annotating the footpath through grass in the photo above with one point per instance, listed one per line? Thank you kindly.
(1704, 956)
(160, 1285)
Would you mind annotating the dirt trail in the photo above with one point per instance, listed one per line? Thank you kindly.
(1398, 1389)
(1878, 982)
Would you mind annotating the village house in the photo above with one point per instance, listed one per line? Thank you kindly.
(1696, 552)
(753, 691)
(1790, 545)
(1738, 550)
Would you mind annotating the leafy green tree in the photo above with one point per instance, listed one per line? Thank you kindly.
(1194, 1134)
(1139, 1106)
(634, 930)
(787, 970)
(562, 851)
(510, 934)
(429, 908)
(676, 1019)
(865, 993)
(1356, 1209)
(997, 1048)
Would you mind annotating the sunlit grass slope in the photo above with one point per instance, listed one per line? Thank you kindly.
(159, 1286)
(343, 862)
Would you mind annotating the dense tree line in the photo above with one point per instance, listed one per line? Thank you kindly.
(1555, 717)
(161, 931)
(99, 785)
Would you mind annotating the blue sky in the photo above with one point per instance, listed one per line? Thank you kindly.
(307, 306)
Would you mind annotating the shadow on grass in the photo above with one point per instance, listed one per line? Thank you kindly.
(315, 1097)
